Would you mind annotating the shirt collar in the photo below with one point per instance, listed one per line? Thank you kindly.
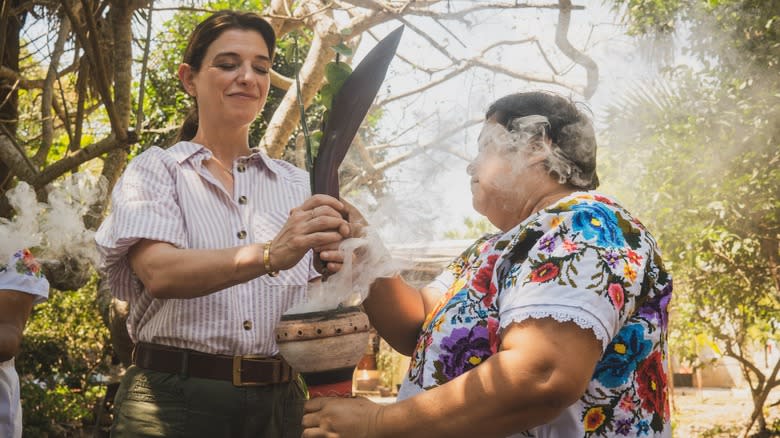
(185, 150)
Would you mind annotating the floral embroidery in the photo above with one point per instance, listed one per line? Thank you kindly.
(586, 243)
(595, 221)
(463, 350)
(652, 385)
(622, 355)
(544, 273)
(615, 292)
(25, 264)
(594, 419)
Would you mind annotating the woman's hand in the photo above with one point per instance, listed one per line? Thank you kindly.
(317, 223)
(340, 417)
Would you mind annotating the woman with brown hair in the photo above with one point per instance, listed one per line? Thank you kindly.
(211, 241)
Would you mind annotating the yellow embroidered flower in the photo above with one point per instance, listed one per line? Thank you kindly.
(629, 272)
(556, 220)
(594, 418)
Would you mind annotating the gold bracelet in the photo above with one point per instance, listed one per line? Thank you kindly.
(267, 260)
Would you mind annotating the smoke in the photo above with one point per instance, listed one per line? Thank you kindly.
(365, 260)
(53, 230)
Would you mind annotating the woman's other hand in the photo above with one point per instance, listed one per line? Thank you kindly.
(340, 417)
(317, 223)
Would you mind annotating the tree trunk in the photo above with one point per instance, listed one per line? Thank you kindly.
(10, 26)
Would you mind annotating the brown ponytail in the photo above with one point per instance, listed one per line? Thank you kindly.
(190, 126)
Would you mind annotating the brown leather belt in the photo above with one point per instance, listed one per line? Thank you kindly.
(241, 370)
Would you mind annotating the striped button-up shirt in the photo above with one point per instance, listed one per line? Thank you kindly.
(169, 195)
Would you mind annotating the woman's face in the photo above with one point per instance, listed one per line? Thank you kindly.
(233, 82)
(497, 176)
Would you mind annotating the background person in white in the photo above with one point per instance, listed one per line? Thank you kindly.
(22, 285)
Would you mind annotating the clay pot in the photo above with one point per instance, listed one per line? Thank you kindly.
(320, 342)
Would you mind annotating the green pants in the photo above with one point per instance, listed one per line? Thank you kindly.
(153, 404)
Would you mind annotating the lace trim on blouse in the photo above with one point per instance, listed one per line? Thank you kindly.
(583, 319)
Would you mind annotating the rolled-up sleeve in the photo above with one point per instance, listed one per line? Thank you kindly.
(144, 205)
(22, 273)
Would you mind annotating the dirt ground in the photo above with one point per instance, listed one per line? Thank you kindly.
(711, 413)
(715, 413)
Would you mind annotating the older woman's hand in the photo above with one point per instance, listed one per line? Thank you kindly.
(340, 417)
(331, 257)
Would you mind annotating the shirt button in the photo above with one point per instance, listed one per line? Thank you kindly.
(242, 199)
(241, 167)
(241, 234)
(247, 325)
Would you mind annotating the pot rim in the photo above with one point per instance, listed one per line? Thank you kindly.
(322, 313)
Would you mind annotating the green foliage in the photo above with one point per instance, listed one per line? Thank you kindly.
(473, 229)
(65, 350)
(651, 16)
(697, 158)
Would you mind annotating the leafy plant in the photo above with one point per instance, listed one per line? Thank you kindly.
(65, 353)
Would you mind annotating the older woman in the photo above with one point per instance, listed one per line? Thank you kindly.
(553, 327)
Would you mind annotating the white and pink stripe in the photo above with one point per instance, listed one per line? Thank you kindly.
(169, 195)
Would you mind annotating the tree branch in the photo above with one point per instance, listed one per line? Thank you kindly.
(91, 47)
(47, 97)
(11, 155)
(29, 84)
(562, 41)
(71, 162)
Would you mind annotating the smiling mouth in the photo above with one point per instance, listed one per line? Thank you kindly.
(242, 95)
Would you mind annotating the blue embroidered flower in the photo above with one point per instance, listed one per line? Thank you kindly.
(643, 428)
(595, 221)
(622, 356)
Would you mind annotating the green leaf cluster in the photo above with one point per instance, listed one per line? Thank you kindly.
(65, 354)
(696, 156)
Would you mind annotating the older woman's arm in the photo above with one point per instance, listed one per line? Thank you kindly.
(401, 326)
(15, 308)
(543, 367)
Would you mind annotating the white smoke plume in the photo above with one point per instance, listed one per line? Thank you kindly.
(53, 230)
(365, 260)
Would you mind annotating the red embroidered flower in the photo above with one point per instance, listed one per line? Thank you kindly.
(594, 418)
(652, 385)
(616, 294)
(545, 272)
(634, 258)
(627, 404)
(30, 262)
(493, 339)
(481, 281)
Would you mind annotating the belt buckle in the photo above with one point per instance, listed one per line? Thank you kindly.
(237, 360)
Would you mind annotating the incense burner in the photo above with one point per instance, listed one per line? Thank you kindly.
(320, 342)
